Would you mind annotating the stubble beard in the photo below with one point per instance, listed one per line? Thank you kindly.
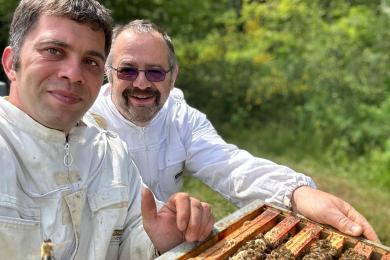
(141, 115)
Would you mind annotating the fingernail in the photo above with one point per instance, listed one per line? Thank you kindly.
(355, 229)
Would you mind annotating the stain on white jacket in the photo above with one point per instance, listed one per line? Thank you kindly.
(82, 192)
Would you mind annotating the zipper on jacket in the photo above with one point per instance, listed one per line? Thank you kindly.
(68, 158)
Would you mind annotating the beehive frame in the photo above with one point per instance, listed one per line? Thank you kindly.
(280, 225)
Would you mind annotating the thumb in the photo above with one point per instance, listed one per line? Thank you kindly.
(148, 207)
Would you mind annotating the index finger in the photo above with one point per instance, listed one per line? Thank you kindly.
(181, 204)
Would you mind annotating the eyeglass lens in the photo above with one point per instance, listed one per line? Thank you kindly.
(131, 74)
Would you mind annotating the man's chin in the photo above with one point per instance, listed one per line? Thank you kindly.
(142, 115)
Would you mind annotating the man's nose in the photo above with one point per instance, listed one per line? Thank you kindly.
(141, 81)
(73, 71)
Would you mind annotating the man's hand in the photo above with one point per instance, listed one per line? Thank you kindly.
(182, 218)
(328, 209)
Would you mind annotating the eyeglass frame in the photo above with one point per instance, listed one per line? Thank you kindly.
(117, 69)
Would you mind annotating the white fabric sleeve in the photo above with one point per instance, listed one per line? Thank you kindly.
(234, 173)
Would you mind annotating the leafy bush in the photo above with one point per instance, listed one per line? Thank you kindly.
(319, 68)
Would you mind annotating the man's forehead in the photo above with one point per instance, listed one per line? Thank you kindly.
(141, 44)
(65, 31)
(135, 37)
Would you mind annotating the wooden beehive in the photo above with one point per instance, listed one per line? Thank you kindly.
(276, 231)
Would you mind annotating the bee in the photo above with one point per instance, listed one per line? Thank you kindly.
(351, 254)
(321, 249)
(255, 249)
(47, 250)
(280, 253)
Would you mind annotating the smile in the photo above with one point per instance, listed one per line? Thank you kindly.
(65, 97)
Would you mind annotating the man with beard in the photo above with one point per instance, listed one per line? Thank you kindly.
(166, 136)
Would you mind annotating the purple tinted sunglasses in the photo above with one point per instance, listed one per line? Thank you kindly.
(131, 73)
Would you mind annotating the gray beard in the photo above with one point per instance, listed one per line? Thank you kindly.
(142, 115)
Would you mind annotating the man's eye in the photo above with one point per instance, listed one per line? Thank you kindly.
(91, 62)
(53, 51)
(128, 70)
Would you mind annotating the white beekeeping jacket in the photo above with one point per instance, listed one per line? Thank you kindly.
(76, 192)
(180, 137)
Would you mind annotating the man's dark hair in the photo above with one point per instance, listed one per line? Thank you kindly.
(82, 11)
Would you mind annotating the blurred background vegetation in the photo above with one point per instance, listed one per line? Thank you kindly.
(305, 83)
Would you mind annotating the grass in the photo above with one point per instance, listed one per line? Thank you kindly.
(370, 201)
(220, 206)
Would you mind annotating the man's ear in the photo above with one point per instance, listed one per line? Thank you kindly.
(7, 61)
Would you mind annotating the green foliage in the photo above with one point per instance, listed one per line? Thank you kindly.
(219, 205)
(6, 11)
(319, 67)
(187, 19)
